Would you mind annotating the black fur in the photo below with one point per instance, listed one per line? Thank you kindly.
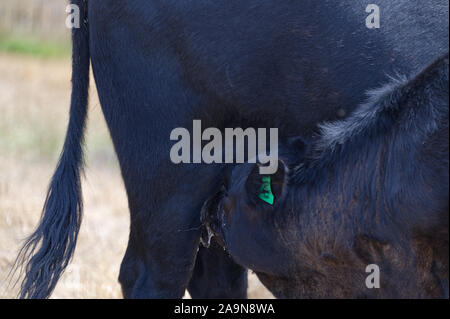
(49, 249)
(373, 189)
(211, 262)
(261, 63)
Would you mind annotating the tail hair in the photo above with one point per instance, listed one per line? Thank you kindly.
(48, 251)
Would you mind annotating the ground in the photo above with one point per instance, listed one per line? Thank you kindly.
(34, 102)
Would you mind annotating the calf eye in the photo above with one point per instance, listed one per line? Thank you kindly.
(265, 191)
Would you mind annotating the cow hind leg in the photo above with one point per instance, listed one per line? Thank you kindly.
(160, 256)
(152, 273)
(216, 275)
(165, 230)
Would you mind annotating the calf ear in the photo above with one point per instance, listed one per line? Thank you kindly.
(266, 189)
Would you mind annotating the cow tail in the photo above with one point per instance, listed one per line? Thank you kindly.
(47, 252)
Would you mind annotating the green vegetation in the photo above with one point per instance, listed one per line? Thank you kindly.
(34, 46)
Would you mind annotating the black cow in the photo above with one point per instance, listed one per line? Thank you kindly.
(372, 189)
(160, 64)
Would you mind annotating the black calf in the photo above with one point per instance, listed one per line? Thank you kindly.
(373, 190)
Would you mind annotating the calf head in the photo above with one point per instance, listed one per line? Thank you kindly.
(373, 190)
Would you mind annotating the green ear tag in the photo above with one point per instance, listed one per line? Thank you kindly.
(266, 191)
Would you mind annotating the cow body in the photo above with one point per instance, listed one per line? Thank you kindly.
(259, 64)
(159, 65)
(372, 190)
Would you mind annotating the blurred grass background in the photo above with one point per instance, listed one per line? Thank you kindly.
(35, 70)
(35, 27)
(23, 44)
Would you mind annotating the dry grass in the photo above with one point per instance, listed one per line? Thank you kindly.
(34, 97)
